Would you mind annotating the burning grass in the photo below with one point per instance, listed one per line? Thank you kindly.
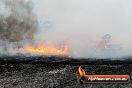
(45, 49)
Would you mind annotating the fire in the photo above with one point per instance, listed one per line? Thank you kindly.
(81, 71)
(46, 49)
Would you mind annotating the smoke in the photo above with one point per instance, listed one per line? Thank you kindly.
(81, 23)
(18, 23)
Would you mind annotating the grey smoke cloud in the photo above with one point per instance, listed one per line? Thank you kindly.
(17, 21)
(18, 24)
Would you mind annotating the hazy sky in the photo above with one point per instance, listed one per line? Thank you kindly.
(85, 20)
(87, 17)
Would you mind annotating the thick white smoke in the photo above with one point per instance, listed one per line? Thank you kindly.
(82, 22)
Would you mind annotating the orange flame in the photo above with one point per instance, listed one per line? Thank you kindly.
(46, 49)
(81, 71)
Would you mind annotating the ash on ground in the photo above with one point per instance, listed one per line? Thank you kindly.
(56, 75)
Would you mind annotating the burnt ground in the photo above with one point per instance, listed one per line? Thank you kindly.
(60, 72)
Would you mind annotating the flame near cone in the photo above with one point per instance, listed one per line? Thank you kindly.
(81, 71)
